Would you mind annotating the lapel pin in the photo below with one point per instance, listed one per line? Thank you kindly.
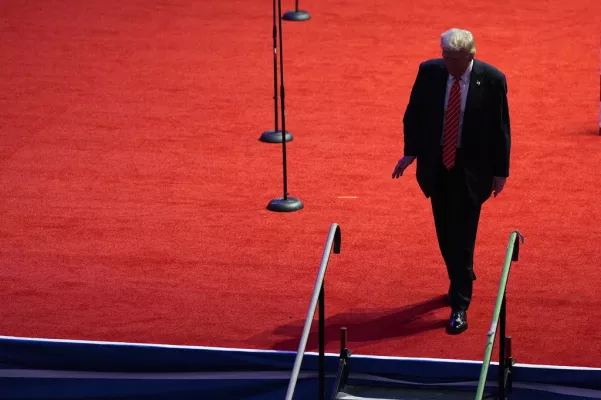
(478, 83)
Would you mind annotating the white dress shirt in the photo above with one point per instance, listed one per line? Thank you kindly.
(464, 84)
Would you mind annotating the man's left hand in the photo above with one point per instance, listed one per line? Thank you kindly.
(498, 183)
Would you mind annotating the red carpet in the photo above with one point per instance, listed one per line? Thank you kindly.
(134, 187)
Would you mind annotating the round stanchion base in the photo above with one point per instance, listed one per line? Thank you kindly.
(275, 136)
(299, 15)
(289, 204)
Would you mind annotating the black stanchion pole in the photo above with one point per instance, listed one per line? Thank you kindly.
(275, 136)
(322, 343)
(297, 15)
(286, 203)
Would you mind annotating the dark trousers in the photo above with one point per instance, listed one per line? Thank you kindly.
(456, 216)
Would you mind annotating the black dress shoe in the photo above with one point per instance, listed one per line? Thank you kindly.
(457, 323)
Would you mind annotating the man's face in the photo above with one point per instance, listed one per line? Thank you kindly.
(457, 61)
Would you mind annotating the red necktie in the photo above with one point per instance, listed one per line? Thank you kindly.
(451, 126)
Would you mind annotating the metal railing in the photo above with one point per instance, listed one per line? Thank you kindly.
(499, 314)
(318, 295)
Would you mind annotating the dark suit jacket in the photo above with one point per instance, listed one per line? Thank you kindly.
(485, 135)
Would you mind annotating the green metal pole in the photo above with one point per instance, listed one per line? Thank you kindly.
(495, 319)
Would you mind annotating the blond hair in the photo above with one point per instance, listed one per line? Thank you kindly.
(455, 40)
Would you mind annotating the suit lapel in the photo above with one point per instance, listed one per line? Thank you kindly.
(474, 92)
(441, 87)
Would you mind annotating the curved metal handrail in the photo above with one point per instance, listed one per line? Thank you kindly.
(333, 239)
(510, 255)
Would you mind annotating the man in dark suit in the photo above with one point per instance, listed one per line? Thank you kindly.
(457, 126)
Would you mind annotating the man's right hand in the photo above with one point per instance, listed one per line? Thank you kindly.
(401, 165)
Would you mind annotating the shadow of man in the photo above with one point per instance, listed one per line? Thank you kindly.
(367, 325)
